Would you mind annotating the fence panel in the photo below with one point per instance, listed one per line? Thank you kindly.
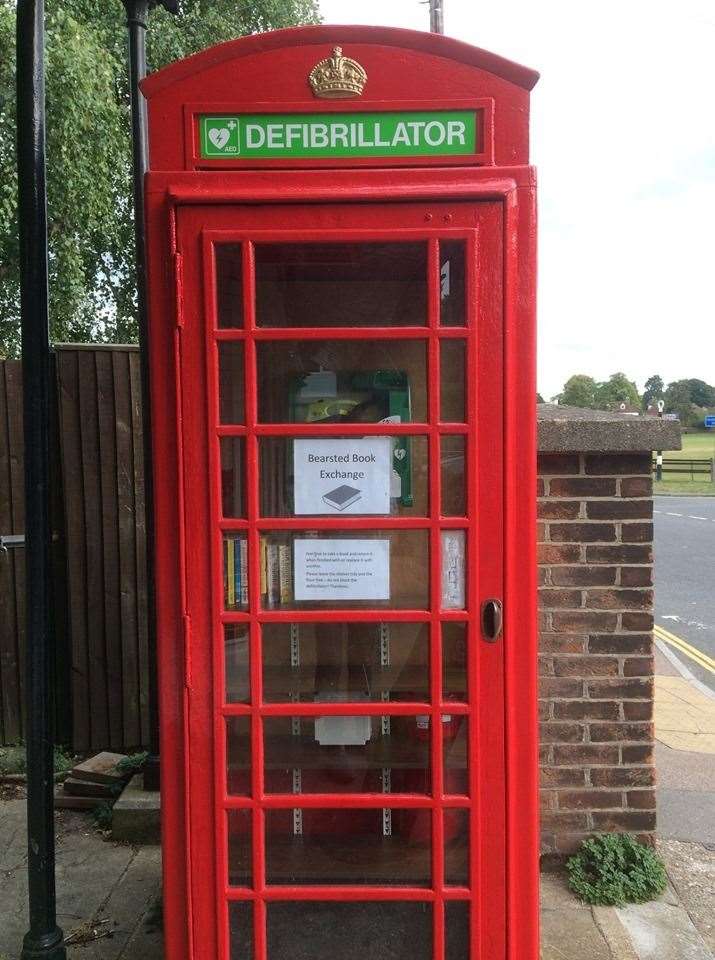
(100, 430)
(12, 562)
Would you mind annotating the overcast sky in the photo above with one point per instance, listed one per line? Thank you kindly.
(623, 134)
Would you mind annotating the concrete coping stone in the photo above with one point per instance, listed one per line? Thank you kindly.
(564, 429)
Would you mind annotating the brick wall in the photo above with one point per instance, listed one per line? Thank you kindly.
(596, 664)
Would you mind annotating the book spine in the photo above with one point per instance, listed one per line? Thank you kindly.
(237, 570)
(285, 574)
(244, 572)
(263, 565)
(272, 589)
(230, 582)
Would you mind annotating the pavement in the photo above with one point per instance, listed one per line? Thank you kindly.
(103, 888)
(684, 546)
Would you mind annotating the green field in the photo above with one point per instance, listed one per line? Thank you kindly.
(696, 446)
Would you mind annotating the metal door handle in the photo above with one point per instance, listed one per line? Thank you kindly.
(492, 620)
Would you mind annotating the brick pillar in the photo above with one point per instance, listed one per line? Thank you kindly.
(596, 660)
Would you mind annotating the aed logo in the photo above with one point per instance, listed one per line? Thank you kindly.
(342, 458)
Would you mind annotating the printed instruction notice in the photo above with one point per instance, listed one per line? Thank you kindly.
(342, 569)
(342, 475)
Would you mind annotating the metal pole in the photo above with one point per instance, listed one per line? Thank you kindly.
(436, 16)
(44, 938)
(137, 16)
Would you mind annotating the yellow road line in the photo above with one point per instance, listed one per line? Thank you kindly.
(702, 659)
(667, 635)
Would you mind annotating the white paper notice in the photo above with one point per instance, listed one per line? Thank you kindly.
(342, 569)
(342, 476)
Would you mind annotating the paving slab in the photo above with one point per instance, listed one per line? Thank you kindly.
(568, 927)
(691, 868)
(125, 908)
(662, 931)
(684, 716)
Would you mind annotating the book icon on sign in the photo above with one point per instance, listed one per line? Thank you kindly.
(342, 497)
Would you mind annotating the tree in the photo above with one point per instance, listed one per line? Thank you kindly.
(677, 400)
(92, 284)
(616, 390)
(653, 390)
(701, 393)
(579, 391)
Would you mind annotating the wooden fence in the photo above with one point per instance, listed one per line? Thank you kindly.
(12, 562)
(100, 560)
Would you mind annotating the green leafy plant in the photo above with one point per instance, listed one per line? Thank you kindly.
(13, 759)
(102, 814)
(614, 869)
(134, 763)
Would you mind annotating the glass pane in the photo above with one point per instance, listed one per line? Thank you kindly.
(454, 477)
(233, 495)
(348, 847)
(453, 573)
(375, 568)
(239, 847)
(358, 661)
(346, 754)
(454, 661)
(452, 391)
(240, 925)
(455, 742)
(378, 930)
(456, 930)
(230, 382)
(229, 285)
(341, 476)
(456, 847)
(238, 756)
(341, 284)
(235, 572)
(236, 662)
(342, 381)
(452, 283)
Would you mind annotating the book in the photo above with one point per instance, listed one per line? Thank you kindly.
(243, 563)
(342, 497)
(285, 579)
(272, 582)
(263, 560)
(229, 580)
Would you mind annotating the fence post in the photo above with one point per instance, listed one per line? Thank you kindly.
(658, 465)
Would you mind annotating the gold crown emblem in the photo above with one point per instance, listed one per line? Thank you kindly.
(337, 77)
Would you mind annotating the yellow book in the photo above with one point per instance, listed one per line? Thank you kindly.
(263, 563)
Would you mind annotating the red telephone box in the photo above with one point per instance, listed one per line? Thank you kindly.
(342, 289)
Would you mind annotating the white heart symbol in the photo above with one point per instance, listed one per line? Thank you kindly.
(219, 137)
(400, 454)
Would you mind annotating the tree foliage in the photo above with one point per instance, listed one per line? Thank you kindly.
(616, 390)
(653, 390)
(92, 284)
(687, 397)
(579, 391)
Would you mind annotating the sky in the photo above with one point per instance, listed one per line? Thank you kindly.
(623, 136)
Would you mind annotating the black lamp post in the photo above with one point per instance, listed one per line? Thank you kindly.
(44, 938)
(137, 16)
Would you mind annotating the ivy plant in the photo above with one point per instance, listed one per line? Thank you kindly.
(614, 869)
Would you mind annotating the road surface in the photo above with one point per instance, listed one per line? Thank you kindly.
(685, 575)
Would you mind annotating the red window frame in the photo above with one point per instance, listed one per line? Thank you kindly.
(481, 224)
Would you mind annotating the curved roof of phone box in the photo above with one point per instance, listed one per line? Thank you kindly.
(431, 43)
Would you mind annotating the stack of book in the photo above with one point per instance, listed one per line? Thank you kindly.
(235, 572)
(276, 568)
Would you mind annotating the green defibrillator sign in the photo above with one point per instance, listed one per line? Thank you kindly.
(275, 135)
